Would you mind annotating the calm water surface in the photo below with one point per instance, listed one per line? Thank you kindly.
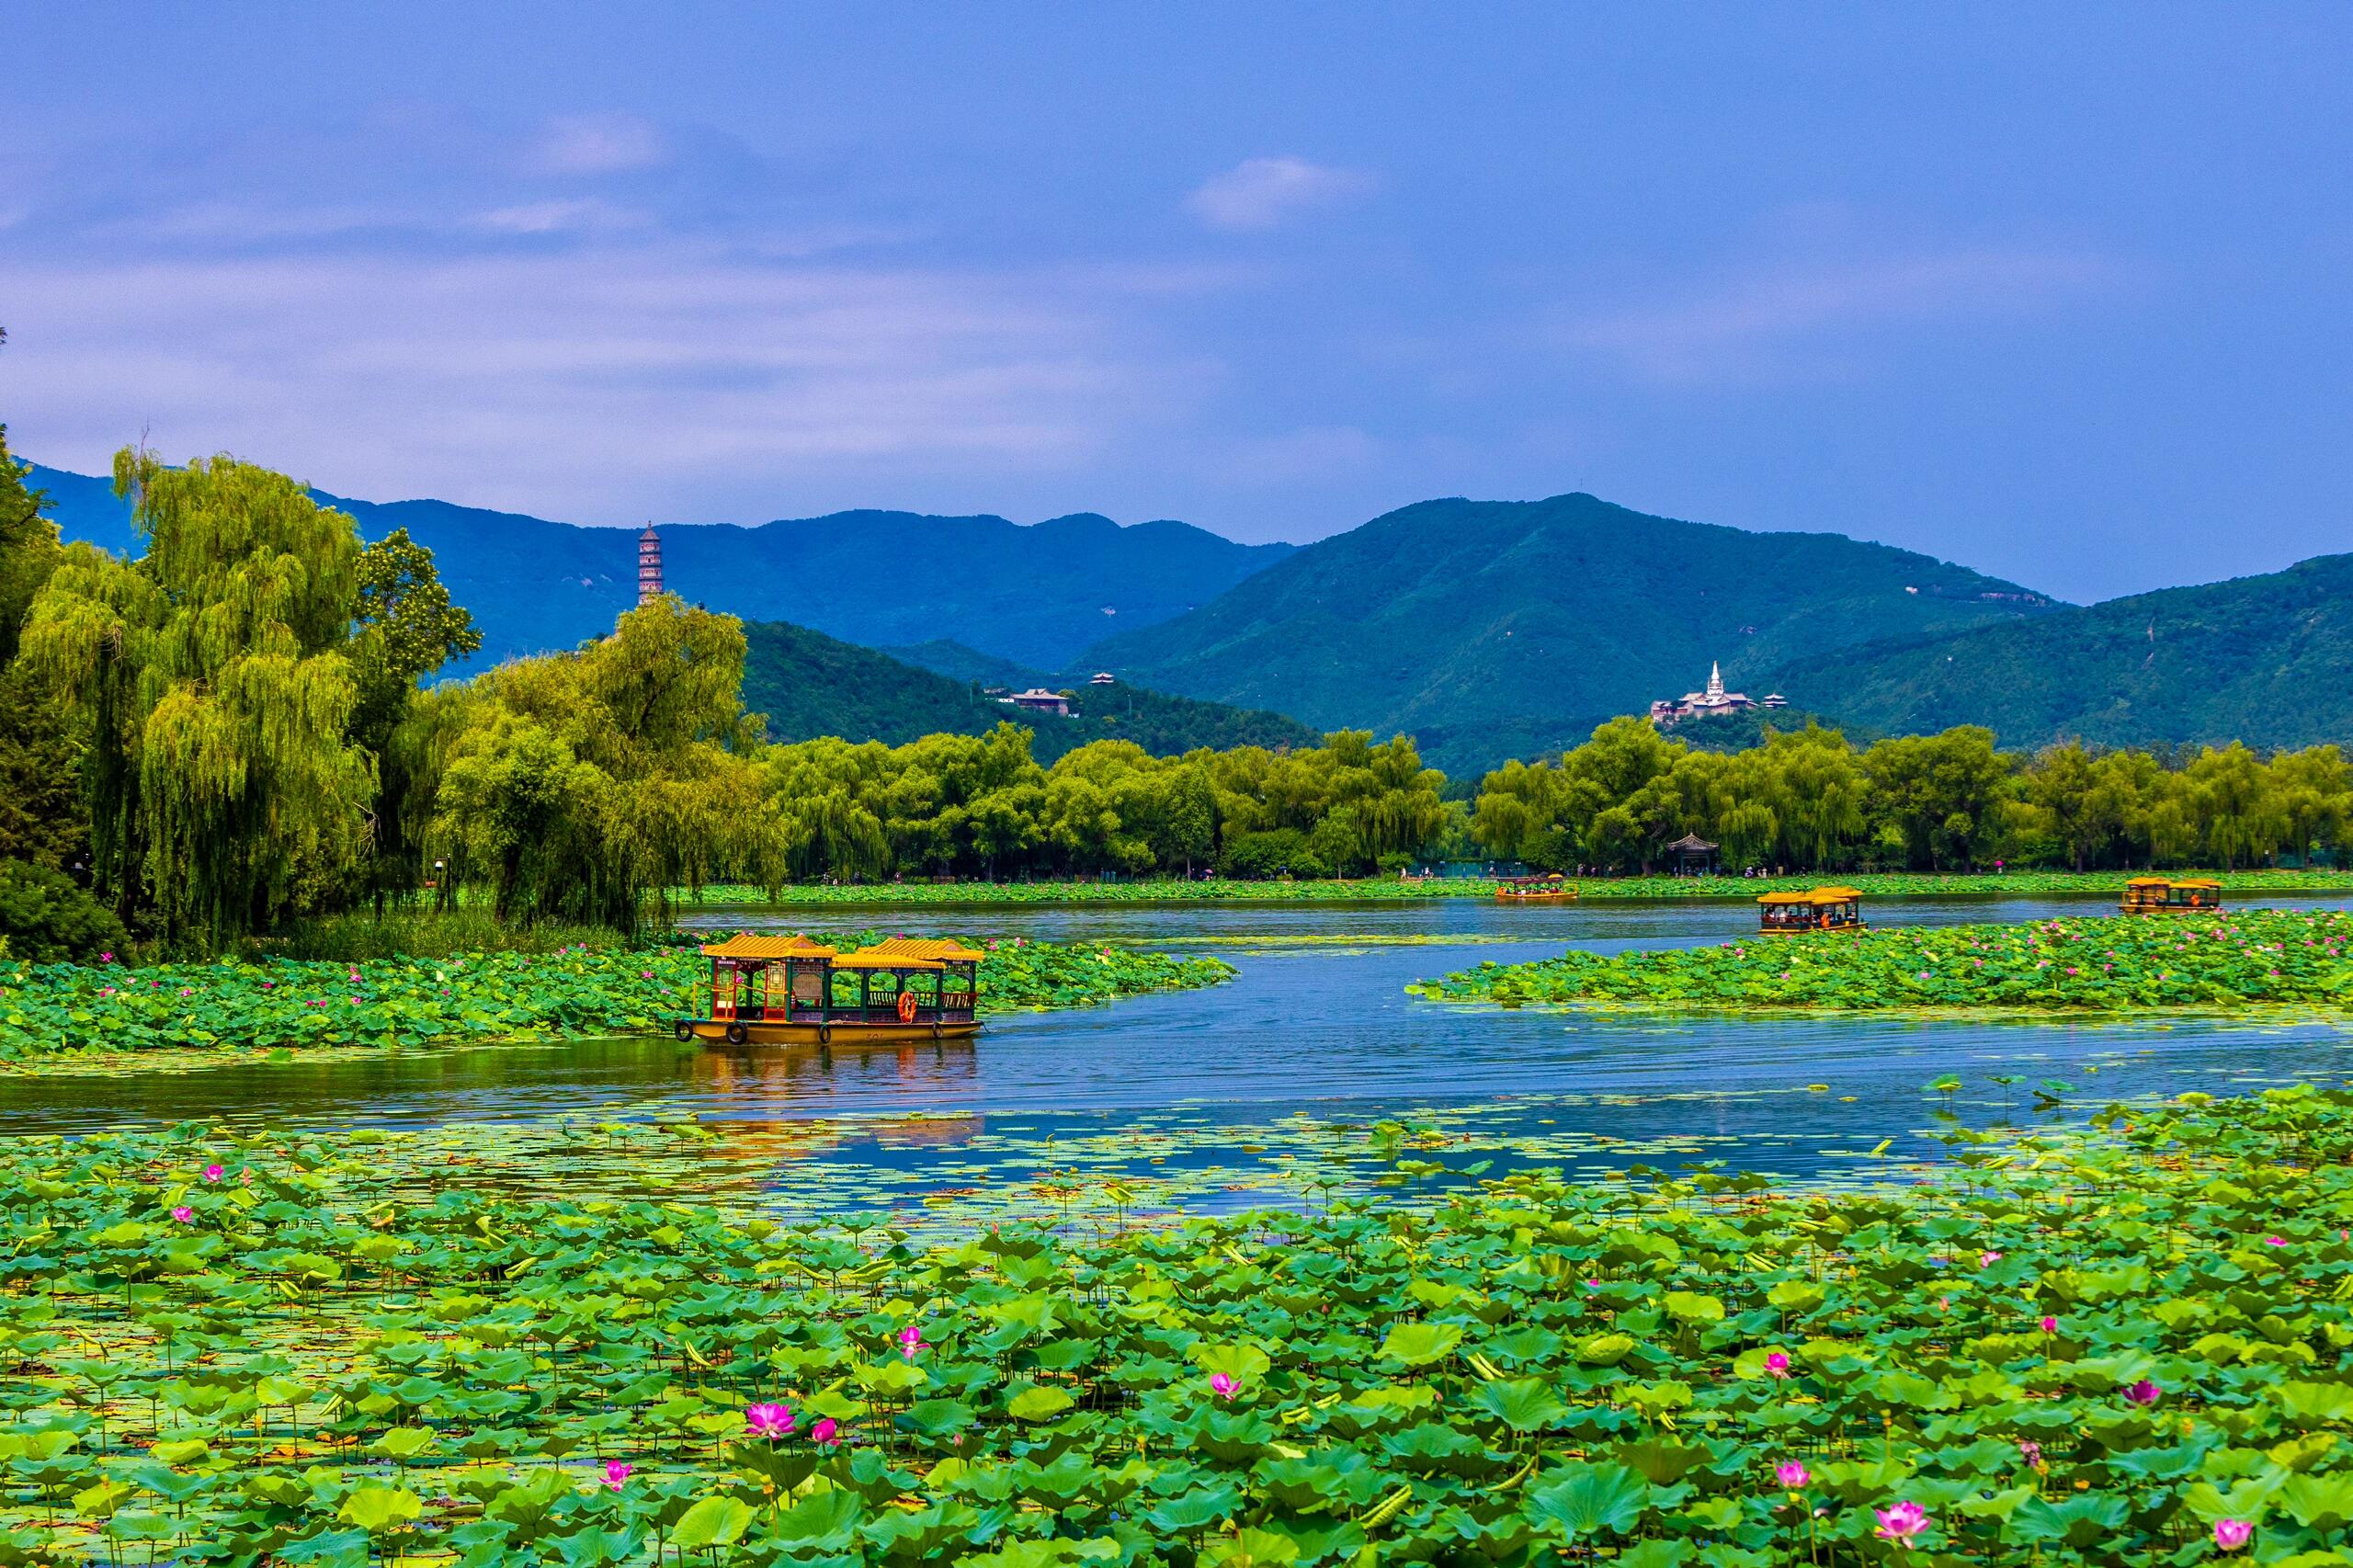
(1316, 1022)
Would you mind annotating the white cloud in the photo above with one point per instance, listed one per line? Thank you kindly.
(558, 217)
(599, 384)
(1260, 193)
(1801, 316)
(598, 144)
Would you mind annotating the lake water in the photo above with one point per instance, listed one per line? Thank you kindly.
(1315, 1027)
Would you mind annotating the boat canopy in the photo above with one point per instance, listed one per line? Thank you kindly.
(940, 949)
(1812, 896)
(2207, 883)
(2147, 882)
(875, 958)
(768, 949)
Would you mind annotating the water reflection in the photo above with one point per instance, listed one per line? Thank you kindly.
(1315, 1024)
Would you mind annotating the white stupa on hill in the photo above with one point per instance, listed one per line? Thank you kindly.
(1714, 703)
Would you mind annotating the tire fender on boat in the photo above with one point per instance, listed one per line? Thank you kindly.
(737, 1034)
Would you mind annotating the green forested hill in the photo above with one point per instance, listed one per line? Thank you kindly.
(2263, 660)
(1501, 629)
(809, 684)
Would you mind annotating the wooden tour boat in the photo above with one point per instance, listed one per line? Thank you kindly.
(1816, 909)
(2161, 895)
(1554, 889)
(792, 991)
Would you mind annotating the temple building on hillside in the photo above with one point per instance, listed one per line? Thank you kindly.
(1714, 703)
(1038, 700)
(649, 566)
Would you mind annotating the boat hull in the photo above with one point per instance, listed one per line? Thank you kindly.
(716, 1032)
(1810, 930)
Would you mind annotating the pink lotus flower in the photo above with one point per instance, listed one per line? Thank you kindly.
(2232, 1534)
(2050, 1325)
(2143, 1392)
(910, 1341)
(1791, 1474)
(2274, 1242)
(2031, 1452)
(183, 1213)
(1989, 1259)
(617, 1472)
(1778, 1363)
(826, 1435)
(1223, 1386)
(769, 1421)
(213, 1173)
(1900, 1523)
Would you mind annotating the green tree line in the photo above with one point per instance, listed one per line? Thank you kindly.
(229, 733)
(1808, 800)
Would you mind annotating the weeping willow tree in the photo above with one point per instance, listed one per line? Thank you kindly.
(584, 786)
(211, 684)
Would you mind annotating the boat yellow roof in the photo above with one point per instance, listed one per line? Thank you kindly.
(875, 958)
(946, 949)
(2198, 882)
(1811, 895)
(744, 945)
(2147, 882)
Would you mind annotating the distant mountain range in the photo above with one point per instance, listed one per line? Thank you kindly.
(1036, 594)
(809, 684)
(1494, 629)
(1488, 629)
(2262, 660)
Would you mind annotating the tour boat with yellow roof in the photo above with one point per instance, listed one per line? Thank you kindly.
(1794, 913)
(795, 991)
(2163, 896)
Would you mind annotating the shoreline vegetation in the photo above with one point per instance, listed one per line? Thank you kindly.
(473, 998)
(2120, 1343)
(1170, 890)
(2233, 961)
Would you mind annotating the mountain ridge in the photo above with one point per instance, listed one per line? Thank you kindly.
(2247, 658)
(1499, 628)
(1036, 593)
(807, 684)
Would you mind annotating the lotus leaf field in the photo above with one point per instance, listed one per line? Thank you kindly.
(1877, 884)
(2131, 1344)
(474, 997)
(2113, 963)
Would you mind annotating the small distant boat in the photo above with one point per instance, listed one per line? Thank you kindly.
(792, 991)
(1816, 909)
(1554, 889)
(2161, 895)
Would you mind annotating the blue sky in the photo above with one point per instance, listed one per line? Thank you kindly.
(2059, 292)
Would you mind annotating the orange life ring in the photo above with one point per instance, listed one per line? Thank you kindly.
(906, 1007)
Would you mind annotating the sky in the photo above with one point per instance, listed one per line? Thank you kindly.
(2058, 291)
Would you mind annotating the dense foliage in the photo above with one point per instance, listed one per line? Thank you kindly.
(234, 1005)
(578, 786)
(2242, 659)
(2124, 1349)
(221, 687)
(805, 683)
(2117, 963)
(1808, 800)
(47, 916)
(953, 803)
